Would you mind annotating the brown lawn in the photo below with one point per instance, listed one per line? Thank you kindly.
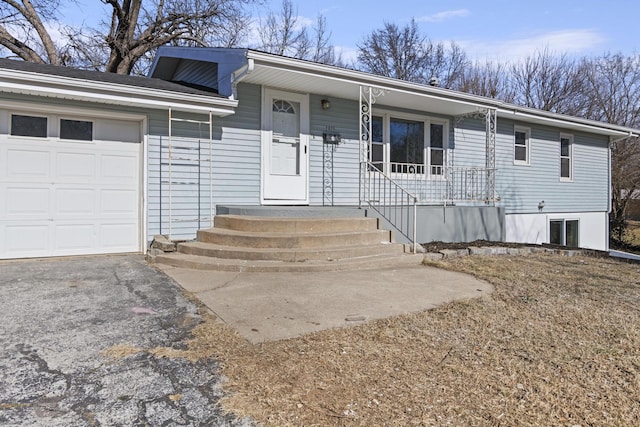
(556, 344)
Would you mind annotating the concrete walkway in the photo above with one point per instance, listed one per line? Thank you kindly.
(274, 306)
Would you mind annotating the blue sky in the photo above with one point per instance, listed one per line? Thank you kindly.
(492, 29)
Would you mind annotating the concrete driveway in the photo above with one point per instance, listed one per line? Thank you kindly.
(56, 319)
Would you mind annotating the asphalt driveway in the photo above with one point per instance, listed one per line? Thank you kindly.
(57, 318)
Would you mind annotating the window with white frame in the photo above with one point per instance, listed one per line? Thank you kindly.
(78, 130)
(405, 143)
(566, 157)
(33, 126)
(564, 232)
(521, 147)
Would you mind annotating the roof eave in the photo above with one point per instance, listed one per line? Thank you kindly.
(111, 93)
(504, 109)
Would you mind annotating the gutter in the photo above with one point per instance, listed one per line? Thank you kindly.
(480, 102)
(110, 93)
(239, 75)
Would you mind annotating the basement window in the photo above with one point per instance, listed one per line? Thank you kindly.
(78, 130)
(564, 232)
(32, 126)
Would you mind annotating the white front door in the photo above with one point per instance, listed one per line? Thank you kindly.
(285, 146)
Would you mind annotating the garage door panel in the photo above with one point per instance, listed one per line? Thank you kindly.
(118, 202)
(27, 240)
(27, 202)
(74, 237)
(23, 164)
(75, 202)
(118, 236)
(116, 169)
(74, 166)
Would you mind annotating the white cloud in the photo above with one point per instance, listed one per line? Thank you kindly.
(445, 15)
(575, 41)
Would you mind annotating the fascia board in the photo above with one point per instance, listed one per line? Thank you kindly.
(504, 109)
(56, 86)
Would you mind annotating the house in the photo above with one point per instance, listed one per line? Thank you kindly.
(98, 163)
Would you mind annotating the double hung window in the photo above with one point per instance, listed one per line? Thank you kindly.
(566, 157)
(521, 147)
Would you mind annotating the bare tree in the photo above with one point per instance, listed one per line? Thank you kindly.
(549, 82)
(404, 53)
(487, 79)
(284, 34)
(135, 28)
(23, 31)
(613, 86)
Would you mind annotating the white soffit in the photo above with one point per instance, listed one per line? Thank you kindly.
(340, 83)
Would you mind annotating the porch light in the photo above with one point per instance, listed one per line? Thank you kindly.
(541, 205)
(326, 104)
(331, 138)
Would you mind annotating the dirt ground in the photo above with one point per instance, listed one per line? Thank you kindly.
(557, 343)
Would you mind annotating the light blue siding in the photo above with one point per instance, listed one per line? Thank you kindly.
(523, 187)
(236, 166)
(342, 118)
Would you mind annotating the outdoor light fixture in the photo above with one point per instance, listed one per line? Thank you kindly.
(326, 104)
(541, 205)
(331, 138)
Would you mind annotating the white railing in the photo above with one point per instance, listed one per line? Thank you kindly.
(394, 190)
(438, 184)
(390, 200)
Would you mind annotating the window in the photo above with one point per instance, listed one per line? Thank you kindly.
(406, 143)
(566, 154)
(377, 146)
(436, 148)
(76, 129)
(521, 145)
(564, 232)
(406, 138)
(28, 126)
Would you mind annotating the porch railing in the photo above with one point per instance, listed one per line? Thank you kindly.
(390, 200)
(439, 184)
(394, 190)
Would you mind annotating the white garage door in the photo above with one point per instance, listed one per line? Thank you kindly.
(69, 197)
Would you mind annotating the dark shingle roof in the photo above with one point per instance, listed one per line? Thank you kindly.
(98, 76)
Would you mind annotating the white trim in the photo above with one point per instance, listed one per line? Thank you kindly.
(110, 93)
(527, 132)
(564, 219)
(570, 137)
(266, 136)
(45, 108)
(427, 120)
(144, 203)
(474, 102)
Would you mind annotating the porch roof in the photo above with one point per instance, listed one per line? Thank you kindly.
(330, 81)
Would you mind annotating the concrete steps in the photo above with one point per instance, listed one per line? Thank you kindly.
(197, 262)
(249, 243)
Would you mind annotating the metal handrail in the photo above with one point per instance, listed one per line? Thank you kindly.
(390, 200)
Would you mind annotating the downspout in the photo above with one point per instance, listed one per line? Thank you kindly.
(239, 75)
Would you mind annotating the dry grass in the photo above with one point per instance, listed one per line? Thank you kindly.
(633, 233)
(557, 343)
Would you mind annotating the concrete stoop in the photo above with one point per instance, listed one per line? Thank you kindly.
(254, 244)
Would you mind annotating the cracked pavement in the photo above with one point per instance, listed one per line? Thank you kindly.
(57, 318)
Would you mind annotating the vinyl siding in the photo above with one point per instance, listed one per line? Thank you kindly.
(236, 166)
(342, 118)
(522, 187)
